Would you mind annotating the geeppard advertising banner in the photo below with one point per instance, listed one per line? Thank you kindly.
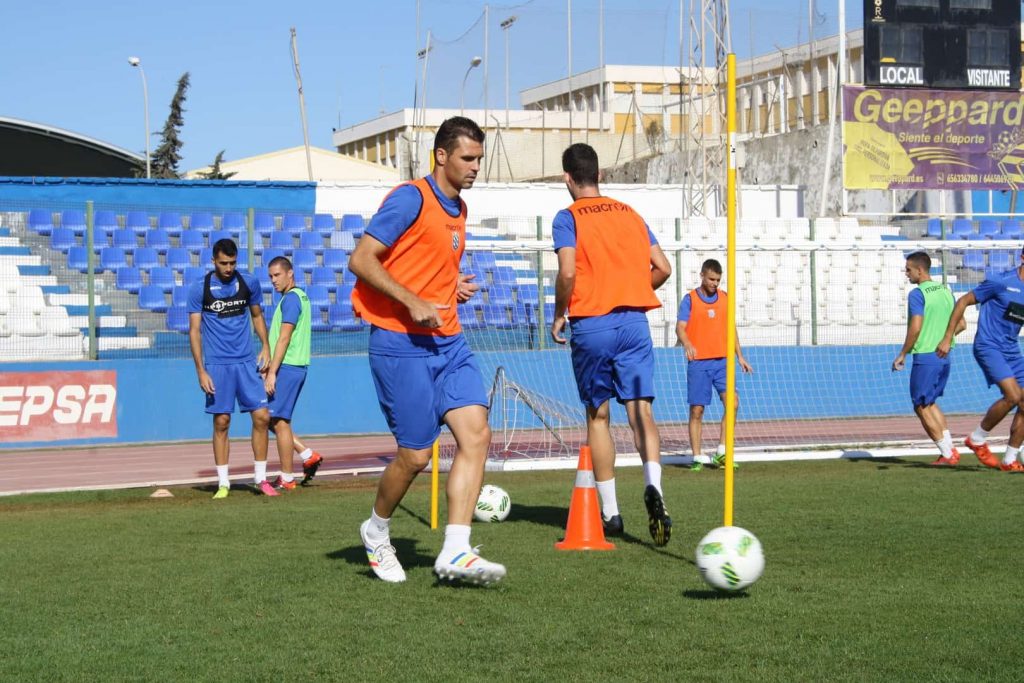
(896, 139)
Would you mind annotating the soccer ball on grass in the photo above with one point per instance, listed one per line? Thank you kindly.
(730, 558)
(493, 505)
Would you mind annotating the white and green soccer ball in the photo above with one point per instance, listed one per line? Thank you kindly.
(730, 558)
(493, 505)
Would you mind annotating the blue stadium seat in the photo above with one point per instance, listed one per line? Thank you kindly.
(527, 294)
(112, 259)
(193, 240)
(988, 228)
(151, 298)
(500, 295)
(179, 295)
(269, 255)
(242, 260)
(521, 314)
(218, 235)
(62, 239)
(177, 319)
(40, 221)
(326, 277)
(233, 222)
(162, 277)
(304, 260)
(483, 260)
(105, 221)
(344, 293)
(158, 239)
(336, 259)
(353, 222)
(319, 297)
(263, 223)
(318, 324)
(282, 240)
(343, 240)
(962, 226)
(170, 221)
(1011, 230)
(497, 316)
(975, 260)
(179, 258)
(129, 279)
(242, 242)
(1002, 259)
(193, 273)
(74, 219)
(78, 258)
(145, 258)
(137, 221)
(468, 317)
(201, 221)
(206, 258)
(341, 317)
(311, 240)
(323, 223)
(125, 239)
(293, 223)
(503, 275)
(934, 228)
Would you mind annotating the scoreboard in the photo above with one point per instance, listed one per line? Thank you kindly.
(958, 44)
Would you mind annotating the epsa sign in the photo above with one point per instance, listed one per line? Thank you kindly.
(56, 406)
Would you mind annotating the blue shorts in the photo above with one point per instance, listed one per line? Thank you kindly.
(998, 365)
(237, 381)
(928, 380)
(290, 379)
(415, 392)
(614, 362)
(701, 376)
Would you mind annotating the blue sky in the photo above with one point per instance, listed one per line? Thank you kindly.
(66, 61)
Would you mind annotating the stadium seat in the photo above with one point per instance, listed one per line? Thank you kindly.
(483, 260)
(988, 228)
(343, 240)
(1011, 230)
(151, 298)
(353, 222)
(468, 317)
(336, 259)
(158, 239)
(934, 228)
(62, 239)
(193, 240)
(137, 222)
(125, 239)
(201, 222)
(242, 242)
(179, 258)
(1001, 259)
(527, 294)
(975, 260)
(162, 277)
(269, 255)
(500, 295)
(311, 240)
(73, 219)
(341, 317)
(293, 223)
(503, 275)
(344, 293)
(129, 279)
(233, 222)
(497, 316)
(105, 222)
(170, 221)
(145, 258)
(263, 223)
(206, 258)
(323, 223)
(304, 260)
(218, 235)
(179, 295)
(40, 221)
(112, 259)
(282, 240)
(319, 297)
(177, 319)
(193, 273)
(962, 226)
(326, 277)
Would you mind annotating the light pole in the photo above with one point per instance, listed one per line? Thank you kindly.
(134, 61)
(505, 26)
(473, 63)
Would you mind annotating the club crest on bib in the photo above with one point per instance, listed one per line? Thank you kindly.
(711, 313)
(455, 241)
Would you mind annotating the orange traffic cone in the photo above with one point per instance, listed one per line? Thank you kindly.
(584, 530)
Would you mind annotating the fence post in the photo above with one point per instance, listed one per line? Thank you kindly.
(250, 229)
(541, 315)
(814, 291)
(91, 279)
(942, 254)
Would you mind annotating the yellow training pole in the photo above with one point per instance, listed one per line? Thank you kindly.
(435, 477)
(730, 339)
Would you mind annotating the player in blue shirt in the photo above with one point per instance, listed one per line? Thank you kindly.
(998, 353)
(220, 307)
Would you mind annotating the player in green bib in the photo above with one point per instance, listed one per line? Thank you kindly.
(929, 307)
(290, 333)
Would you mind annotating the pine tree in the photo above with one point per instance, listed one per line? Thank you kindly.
(215, 173)
(168, 153)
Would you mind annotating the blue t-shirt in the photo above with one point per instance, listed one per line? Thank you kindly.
(225, 340)
(915, 303)
(396, 214)
(563, 233)
(1002, 312)
(686, 305)
(291, 308)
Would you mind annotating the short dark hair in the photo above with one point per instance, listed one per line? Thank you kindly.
(225, 246)
(580, 162)
(447, 136)
(711, 265)
(282, 261)
(920, 259)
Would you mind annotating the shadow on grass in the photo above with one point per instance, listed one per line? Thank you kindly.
(884, 463)
(711, 594)
(405, 548)
(548, 515)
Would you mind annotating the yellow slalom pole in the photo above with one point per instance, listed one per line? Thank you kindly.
(435, 477)
(730, 339)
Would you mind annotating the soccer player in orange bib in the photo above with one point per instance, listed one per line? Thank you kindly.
(409, 285)
(609, 264)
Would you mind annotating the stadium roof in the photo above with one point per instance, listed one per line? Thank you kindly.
(36, 149)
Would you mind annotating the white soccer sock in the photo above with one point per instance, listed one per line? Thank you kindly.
(306, 454)
(978, 436)
(652, 475)
(1010, 456)
(287, 476)
(456, 539)
(222, 476)
(721, 449)
(945, 447)
(379, 527)
(609, 503)
(259, 470)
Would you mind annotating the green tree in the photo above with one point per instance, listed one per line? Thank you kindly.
(215, 173)
(168, 153)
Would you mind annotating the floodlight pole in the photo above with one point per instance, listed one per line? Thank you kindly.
(136, 62)
(505, 26)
